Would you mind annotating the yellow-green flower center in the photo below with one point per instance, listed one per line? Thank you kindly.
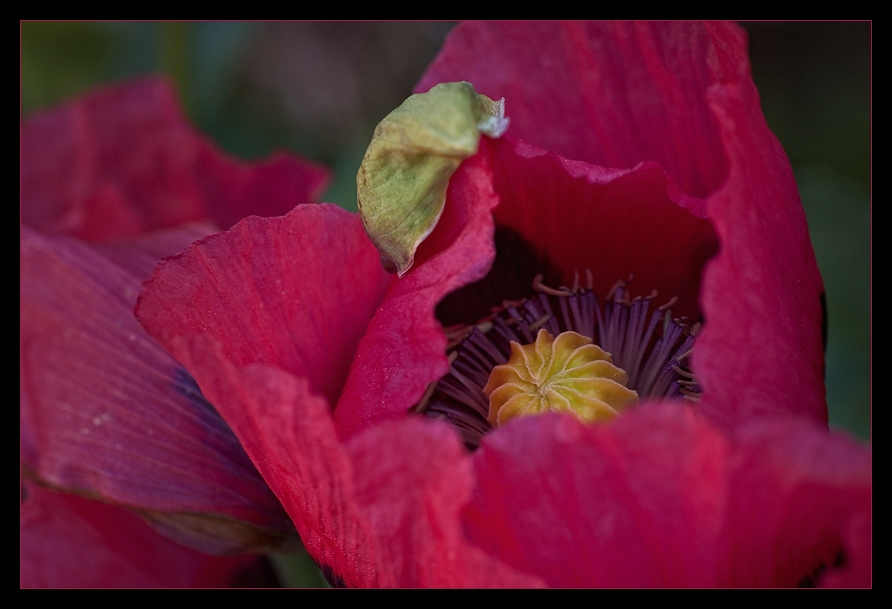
(565, 374)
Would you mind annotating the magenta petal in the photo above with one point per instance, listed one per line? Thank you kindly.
(296, 292)
(71, 542)
(661, 498)
(107, 413)
(123, 160)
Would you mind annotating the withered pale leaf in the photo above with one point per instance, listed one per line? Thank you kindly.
(401, 184)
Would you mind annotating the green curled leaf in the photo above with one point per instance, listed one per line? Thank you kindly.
(401, 184)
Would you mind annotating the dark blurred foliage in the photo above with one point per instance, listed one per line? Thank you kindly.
(319, 88)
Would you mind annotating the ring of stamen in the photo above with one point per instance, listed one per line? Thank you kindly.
(652, 348)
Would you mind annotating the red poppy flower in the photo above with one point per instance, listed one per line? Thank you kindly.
(105, 412)
(633, 149)
(643, 151)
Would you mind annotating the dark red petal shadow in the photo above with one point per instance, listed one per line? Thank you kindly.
(70, 542)
(616, 223)
(107, 413)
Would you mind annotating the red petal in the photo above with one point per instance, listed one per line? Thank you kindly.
(381, 511)
(678, 494)
(123, 160)
(296, 292)
(761, 350)
(617, 223)
(415, 468)
(660, 498)
(70, 542)
(611, 94)
(799, 496)
(106, 412)
(681, 95)
(404, 348)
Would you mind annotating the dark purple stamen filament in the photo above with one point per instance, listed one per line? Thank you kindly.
(655, 354)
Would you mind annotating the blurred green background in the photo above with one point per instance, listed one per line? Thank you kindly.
(319, 88)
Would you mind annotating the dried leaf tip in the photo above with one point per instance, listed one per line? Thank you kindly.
(401, 184)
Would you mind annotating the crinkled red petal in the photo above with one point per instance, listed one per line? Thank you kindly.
(616, 223)
(296, 292)
(611, 94)
(662, 498)
(380, 511)
(404, 348)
